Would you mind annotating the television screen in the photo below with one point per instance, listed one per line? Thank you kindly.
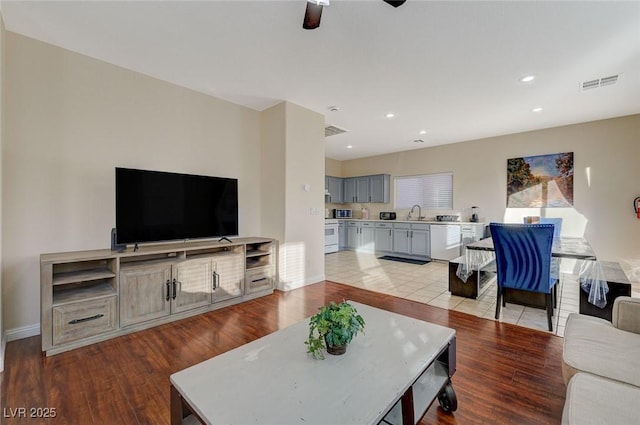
(160, 206)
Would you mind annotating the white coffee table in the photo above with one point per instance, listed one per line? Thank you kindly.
(390, 374)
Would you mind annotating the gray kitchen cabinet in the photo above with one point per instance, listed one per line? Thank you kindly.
(361, 236)
(349, 189)
(364, 189)
(379, 188)
(401, 240)
(420, 239)
(342, 236)
(367, 237)
(356, 189)
(334, 186)
(411, 239)
(353, 235)
(384, 237)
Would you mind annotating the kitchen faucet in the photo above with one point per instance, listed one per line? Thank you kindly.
(411, 212)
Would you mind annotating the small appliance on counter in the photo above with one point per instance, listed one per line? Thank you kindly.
(365, 214)
(448, 218)
(387, 215)
(474, 215)
(342, 213)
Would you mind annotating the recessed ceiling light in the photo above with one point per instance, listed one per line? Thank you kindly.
(349, 147)
(423, 131)
(538, 109)
(527, 78)
(390, 115)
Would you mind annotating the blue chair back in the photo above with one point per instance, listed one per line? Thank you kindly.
(557, 225)
(523, 255)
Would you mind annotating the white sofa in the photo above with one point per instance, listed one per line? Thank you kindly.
(601, 366)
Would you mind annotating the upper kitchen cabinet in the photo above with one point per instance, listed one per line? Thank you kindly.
(334, 186)
(350, 189)
(379, 188)
(365, 189)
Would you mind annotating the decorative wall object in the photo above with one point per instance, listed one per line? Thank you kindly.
(543, 181)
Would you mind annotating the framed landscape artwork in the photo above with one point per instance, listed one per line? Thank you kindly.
(543, 181)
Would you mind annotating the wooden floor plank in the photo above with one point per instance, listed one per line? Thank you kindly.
(506, 374)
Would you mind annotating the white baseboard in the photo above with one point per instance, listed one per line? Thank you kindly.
(288, 286)
(22, 332)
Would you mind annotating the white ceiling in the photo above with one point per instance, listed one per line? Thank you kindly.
(451, 68)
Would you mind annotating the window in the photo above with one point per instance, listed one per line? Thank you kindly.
(430, 191)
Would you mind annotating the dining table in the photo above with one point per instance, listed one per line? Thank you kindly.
(480, 255)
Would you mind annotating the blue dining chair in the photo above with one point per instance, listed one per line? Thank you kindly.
(557, 225)
(523, 261)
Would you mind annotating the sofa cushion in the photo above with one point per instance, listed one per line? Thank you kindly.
(594, 345)
(593, 400)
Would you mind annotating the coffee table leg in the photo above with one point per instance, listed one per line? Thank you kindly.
(176, 407)
(407, 407)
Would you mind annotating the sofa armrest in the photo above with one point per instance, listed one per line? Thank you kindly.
(626, 314)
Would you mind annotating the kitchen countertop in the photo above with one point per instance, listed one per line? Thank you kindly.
(403, 221)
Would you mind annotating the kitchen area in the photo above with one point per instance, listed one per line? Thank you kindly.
(355, 222)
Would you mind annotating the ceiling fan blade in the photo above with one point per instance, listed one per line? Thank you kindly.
(395, 3)
(312, 16)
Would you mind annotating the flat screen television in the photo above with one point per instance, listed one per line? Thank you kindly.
(156, 206)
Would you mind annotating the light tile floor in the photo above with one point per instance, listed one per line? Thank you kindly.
(429, 284)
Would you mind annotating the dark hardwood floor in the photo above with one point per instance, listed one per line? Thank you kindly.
(505, 374)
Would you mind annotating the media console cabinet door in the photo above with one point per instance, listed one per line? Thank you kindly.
(194, 280)
(143, 293)
(230, 280)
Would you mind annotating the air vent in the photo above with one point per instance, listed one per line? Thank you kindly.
(599, 82)
(332, 130)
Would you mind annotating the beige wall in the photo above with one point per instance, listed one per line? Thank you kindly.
(273, 171)
(602, 211)
(333, 167)
(293, 143)
(304, 210)
(2, 35)
(72, 119)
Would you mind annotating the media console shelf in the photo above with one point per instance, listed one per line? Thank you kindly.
(91, 296)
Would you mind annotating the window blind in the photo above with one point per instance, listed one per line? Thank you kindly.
(430, 191)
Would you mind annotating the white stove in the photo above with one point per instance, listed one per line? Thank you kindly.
(330, 236)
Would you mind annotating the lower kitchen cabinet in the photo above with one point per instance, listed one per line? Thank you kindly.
(384, 237)
(420, 240)
(353, 235)
(342, 236)
(411, 239)
(361, 236)
(367, 237)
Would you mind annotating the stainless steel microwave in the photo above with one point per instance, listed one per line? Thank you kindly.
(340, 213)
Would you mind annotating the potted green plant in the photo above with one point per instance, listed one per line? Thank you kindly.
(333, 328)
